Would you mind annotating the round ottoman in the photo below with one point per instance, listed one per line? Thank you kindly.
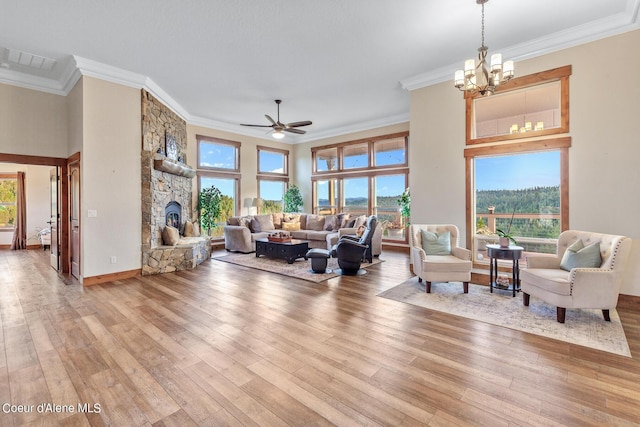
(319, 259)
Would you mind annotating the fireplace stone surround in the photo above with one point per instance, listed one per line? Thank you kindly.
(166, 181)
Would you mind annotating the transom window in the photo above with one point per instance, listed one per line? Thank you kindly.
(218, 154)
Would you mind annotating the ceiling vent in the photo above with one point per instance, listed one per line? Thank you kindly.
(30, 60)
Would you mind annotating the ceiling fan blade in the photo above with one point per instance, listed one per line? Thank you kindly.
(293, 130)
(298, 124)
(257, 126)
(270, 119)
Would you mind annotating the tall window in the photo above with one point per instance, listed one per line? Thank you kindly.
(273, 178)
(219, 165)
(8, 192)
(363, 177)
(388, 189)
(520, 188)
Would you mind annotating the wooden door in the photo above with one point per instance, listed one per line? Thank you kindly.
(74, 215)
(54, 219)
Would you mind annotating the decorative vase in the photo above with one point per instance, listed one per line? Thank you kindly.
(503, 241)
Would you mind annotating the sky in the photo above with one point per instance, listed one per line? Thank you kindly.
(518, 171)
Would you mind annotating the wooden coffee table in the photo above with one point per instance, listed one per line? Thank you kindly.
(289, 251)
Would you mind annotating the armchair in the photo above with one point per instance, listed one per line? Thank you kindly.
(367, 237)
(579, 287)
(451, 264)
(351, 250)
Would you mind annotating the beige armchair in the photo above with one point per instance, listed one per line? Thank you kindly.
(580, 287)
(454, 266)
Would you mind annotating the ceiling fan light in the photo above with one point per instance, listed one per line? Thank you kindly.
(278, 134)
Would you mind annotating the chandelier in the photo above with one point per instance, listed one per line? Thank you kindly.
(476, 78)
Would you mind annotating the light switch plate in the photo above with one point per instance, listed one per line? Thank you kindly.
(92, 213)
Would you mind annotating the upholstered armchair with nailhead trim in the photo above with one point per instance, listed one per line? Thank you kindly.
(556, 281)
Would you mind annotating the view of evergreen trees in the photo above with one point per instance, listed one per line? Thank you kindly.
(535, 200)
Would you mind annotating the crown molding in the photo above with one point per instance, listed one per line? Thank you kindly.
(27, 81)
(357, 127)
(592, 31)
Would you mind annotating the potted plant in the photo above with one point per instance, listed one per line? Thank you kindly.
(405, 206)
(504, 236)
(292, 199)
(209, 201)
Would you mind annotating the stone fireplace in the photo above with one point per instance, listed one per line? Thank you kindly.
(166, 190)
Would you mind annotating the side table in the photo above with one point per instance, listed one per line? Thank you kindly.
(497, 252)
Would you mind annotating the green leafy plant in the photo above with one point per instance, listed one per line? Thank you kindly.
(405, 206)
(209, 206)
(292, 199)
(502, 233)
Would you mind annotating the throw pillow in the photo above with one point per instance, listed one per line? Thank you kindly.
(315, 222)
(254, 225)
(351, 223)
(583, 257)
(266, 222)
(330, 222)
(233, 220)
(291, 226)
(341, 221)
(360, 230)
(196, 229)
(277, 219)
(245, 221)
(188, 229)
(361, 220)
(436, 243)
(170, 235)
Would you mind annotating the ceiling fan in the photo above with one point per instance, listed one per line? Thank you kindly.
(279, 128)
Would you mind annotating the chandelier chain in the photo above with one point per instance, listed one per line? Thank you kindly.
(483, 25)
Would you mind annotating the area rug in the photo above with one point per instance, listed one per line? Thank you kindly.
(300, 268)
(582, 327)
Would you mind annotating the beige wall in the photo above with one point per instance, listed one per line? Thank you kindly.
(303, 159)
(38, 205)
(110, 178)
(603, 170)
(248, 160)
(74, 107)
(32, 123)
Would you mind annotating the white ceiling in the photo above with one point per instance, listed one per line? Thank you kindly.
(346, 65)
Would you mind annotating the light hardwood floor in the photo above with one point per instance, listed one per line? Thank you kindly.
(225, 345)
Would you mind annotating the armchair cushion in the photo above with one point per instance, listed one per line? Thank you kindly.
(579, 256)
(436, 243)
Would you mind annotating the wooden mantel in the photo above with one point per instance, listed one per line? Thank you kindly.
(165, 164)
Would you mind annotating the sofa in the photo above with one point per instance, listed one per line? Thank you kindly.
(322, 231)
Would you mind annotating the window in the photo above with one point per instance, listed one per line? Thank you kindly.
(326, 198)
(326, 160)
(521, 190)
(391, 151)
(220, 154)
(388, 189)
(525, 107)
(219, 165)
(363, 177)
(8, 193)
(228, 186)
(273, 161)
(271, 194)
(355, 156)
(356, 196)
(273, 178)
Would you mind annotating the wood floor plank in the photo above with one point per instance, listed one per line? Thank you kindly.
(228, 345)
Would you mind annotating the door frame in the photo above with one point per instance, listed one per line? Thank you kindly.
(65, 260)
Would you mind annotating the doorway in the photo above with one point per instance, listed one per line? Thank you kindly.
(63, 184)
